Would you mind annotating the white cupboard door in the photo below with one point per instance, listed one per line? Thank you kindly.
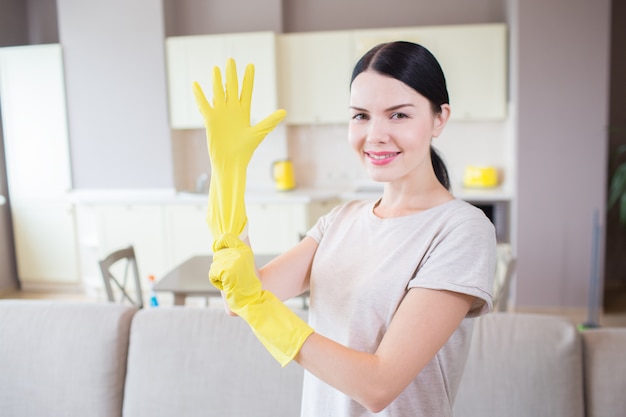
(32, 95)
(259, 49)
(187, 232)
(192, 58)
(314, 71)
(473, 59)
(45, 243)
(139, 225)
(271, 228)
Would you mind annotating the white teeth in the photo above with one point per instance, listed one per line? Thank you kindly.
(379, 157)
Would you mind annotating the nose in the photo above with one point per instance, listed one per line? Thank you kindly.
(378, 131)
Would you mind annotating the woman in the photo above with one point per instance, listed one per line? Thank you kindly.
(392, 281)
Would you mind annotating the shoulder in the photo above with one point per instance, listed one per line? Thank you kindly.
(457, 213)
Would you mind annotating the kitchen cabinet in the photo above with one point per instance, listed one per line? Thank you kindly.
(187, 232)
(277, 227)
(34, 120)
(167, 230)
(192, 58)
(315, 69)
(139, 225)
(274, 227)
(473, 59)
(314, 76)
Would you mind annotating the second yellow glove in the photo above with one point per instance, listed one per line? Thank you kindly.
(278, 328)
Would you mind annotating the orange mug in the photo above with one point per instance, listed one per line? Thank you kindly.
(283, 176)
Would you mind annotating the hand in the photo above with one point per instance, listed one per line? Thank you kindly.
(278, 328)
(234, 273)
(231, 141)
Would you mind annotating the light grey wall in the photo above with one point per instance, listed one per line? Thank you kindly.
(116, 93)
(307, 15)
(13, 23)
(201, 17)
(562, 102)
(42, 21)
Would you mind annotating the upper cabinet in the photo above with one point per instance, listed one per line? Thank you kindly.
(315, 69)
(308, 74)
(473, 59)
(314, 72)
(192, 58)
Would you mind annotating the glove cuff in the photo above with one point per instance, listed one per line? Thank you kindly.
(277, 327)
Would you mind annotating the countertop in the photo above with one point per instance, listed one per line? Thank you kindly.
(170, 196)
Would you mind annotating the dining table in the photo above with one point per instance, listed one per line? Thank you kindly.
(191, 278)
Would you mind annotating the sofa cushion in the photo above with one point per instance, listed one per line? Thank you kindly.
(62, 359)
(200, 362)
(605, 371)
(522, 365)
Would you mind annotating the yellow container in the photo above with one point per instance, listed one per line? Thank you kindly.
(480, 176)
(284, 178)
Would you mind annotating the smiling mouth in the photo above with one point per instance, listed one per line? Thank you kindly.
(381, 156)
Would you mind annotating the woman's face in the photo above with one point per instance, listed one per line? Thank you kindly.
(391, 127)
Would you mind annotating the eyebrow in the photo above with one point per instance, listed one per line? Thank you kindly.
(392, 108)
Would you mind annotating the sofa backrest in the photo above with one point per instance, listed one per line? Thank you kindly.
(522, 365)
(62, 359)
(200, 362)
(605, 371)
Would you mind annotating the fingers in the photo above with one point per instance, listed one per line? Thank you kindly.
(270, 122)
(219, 98)
(246, 87)
(232, 83)
(201, 100)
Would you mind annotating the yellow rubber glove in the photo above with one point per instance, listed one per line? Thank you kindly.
(278, 328)
(231, 141)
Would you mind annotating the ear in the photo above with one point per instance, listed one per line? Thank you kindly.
(441, 119)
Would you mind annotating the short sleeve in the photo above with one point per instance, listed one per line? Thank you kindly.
(320, 227)
(463, 260)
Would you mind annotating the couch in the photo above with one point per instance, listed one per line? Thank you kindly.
(98, 359)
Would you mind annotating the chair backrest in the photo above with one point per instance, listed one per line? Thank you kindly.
(116, 269)
(505, 270)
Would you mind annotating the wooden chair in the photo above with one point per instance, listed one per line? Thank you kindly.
(116, 269)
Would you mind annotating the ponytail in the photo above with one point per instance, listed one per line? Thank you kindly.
(440, 168)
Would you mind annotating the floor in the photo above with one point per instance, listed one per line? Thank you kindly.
(614, 317)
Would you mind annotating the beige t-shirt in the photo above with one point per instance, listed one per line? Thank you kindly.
(363, 268)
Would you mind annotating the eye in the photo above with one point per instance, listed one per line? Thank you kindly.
(398, 115)
(360, 116)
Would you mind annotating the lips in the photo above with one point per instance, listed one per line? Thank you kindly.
(381, 158)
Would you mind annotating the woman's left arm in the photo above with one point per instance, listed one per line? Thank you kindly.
(423, 323)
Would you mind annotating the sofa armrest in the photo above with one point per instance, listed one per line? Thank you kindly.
(605, 371)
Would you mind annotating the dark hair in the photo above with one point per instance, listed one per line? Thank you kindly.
(416, 67)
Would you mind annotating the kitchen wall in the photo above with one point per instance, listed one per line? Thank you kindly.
(13, 23)
(306, 15)
(320, 154)
(558, 115)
